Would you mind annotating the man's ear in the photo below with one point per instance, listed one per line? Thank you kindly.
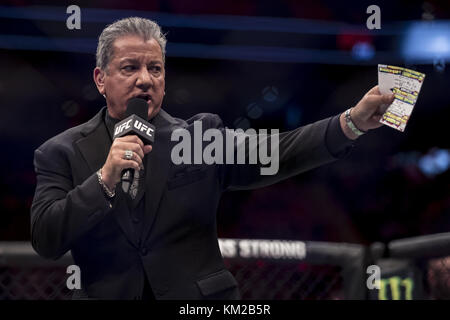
(99, 79)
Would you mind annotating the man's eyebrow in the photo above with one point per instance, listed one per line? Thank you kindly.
(129, 60)
(134, 60)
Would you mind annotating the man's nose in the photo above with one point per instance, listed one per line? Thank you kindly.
(144, 80)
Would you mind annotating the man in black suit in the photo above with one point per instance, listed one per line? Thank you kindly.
(162, 241)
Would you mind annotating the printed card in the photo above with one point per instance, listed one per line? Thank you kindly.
(405, 84)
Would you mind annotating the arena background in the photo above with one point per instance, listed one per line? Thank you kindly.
(259, 64)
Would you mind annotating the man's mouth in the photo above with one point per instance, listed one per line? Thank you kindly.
(144, 96)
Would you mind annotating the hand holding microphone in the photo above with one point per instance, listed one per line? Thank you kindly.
(132, 140)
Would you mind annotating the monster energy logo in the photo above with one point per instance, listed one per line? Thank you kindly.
(396, 284)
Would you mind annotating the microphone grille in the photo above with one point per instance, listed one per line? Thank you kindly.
(138, 107)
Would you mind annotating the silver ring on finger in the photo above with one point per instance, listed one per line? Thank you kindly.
(128, 155)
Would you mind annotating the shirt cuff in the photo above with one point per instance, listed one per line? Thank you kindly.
(336, 141)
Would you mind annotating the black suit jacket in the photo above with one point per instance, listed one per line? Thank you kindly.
(178, 250)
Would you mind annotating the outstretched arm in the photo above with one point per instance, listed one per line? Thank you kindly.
(309, 146)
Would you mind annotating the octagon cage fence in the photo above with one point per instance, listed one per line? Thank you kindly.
(266, 269)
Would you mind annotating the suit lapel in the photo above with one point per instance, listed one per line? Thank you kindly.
(158, 164)
(94, 148)
(95, 145)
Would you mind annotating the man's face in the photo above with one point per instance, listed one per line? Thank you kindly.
(136, 69)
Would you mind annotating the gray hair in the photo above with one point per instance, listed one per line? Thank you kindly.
(145, 28)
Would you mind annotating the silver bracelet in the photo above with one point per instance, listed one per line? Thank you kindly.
(351, 125)
(109, 193)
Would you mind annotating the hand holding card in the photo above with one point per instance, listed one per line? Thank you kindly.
(405, 84)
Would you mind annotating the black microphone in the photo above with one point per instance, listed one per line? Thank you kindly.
(134, 124)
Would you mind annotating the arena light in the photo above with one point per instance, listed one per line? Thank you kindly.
(435, 162)
(427, 41)
(363, 51)
(431, 164)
